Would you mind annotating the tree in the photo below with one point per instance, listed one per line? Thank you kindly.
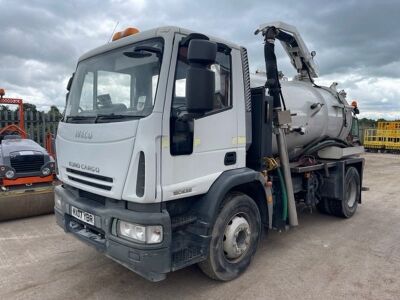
(4, 108)
(30, 107)
(367, 123)
(54, 111)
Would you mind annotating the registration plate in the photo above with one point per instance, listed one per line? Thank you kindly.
(82, 215)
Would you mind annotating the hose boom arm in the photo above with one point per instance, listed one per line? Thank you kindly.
(291, 40)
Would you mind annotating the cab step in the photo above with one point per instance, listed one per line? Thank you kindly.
(187, 256)
(180, 221)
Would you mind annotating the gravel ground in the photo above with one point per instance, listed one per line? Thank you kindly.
(323, 258)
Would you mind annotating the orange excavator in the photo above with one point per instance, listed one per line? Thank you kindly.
(26, 170)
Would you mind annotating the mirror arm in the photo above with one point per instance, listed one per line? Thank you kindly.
(193, 36)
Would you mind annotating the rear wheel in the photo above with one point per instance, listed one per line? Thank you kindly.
(352, 192)
(235, 237)
(323, 206)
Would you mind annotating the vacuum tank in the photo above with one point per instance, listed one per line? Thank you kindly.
(317, 112)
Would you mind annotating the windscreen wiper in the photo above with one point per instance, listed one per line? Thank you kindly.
(78, 118)
(144, 51)
(100, 117)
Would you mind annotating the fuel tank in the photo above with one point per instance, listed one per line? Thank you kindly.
(316, 112)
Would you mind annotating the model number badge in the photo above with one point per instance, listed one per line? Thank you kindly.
(182, 191)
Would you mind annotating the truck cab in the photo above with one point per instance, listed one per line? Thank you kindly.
(125, 149)
(153, 154)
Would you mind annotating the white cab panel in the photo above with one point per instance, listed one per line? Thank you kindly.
(106, 151)
(239, 101)
(214, 136)
(185, 175)
(148, 141)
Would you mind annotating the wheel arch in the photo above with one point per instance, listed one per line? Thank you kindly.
(244, 180)
(256, 192)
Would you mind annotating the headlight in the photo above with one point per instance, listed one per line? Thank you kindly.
(154, 234)
(57, 201)
(10, 174)
(46, 171)
(145, 234)
(2, 170)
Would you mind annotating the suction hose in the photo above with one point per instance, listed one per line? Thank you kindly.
(284, 194)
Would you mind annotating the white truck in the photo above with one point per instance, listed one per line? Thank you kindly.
(170, 155)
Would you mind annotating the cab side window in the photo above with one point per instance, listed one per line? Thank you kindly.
(181, 128)
(222, 70)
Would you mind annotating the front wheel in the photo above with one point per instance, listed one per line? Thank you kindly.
(235, 237)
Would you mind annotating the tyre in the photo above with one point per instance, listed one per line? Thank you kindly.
(234, 240)
(352, 192)
(323, 206)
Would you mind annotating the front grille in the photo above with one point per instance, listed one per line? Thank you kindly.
(27, 163)
(90, 175)
(96, 185)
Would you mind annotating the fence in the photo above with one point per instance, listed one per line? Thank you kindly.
(382, 139)
(37, 124)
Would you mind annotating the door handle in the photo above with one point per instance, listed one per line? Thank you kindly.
(230, 158)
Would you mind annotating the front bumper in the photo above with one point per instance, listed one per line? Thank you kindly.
(149, 261)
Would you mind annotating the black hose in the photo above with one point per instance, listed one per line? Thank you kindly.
(309, 75)
(324, 145)
(287, 38)
(283, 100)
(312, 144)
(319, 144)
(271, 67)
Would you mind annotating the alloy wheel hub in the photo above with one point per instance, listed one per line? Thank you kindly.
(236, 237)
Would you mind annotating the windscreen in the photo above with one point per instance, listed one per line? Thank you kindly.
(117, 85)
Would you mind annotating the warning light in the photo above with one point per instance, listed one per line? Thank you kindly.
(127, 32)
(117, 36)
(130, 31)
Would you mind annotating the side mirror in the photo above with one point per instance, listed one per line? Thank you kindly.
(70, 82)
(200, 80)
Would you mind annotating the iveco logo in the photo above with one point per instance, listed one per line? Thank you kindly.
(83, 134)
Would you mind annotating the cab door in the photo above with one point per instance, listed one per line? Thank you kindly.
(196, 151)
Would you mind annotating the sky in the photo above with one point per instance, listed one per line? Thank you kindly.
(357, 42)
